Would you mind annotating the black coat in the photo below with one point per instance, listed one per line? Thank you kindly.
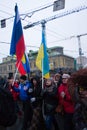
(36, 92)
(80, 117)
(50, 100)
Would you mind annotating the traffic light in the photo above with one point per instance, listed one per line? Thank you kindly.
(3, 23)
(58, 5)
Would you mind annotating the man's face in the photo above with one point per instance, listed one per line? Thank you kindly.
(21, 81)
(10, 81)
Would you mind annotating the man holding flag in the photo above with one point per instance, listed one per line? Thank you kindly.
(18, 48)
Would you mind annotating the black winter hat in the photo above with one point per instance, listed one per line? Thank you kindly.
(23, 77)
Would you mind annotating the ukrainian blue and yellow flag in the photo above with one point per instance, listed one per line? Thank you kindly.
(42, 61)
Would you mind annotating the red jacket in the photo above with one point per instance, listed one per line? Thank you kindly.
(67, 102)
(14, 94)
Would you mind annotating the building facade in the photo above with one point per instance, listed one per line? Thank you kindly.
(57, 60)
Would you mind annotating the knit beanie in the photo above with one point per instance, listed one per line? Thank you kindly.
(23, 77)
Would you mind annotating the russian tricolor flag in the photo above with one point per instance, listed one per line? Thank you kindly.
(18, 46)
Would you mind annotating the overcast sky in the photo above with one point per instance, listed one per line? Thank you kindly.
(56, 30)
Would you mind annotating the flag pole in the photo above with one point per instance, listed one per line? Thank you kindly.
(43, 29)
(16, 73)
(28, 74)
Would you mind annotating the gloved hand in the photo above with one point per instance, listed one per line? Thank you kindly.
(33, 99)
(30, 90)
(62, 94)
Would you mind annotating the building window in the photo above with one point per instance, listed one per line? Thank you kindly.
(9, 67)
(1, 69)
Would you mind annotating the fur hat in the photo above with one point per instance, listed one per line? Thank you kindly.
(65, 76)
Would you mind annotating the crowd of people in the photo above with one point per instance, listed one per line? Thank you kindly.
(56, 103)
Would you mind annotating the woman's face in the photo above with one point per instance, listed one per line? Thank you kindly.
(57, 78)
(34, 82)
(48, 82)
(65, 80)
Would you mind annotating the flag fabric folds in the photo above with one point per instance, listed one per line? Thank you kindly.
(23, 66)
(42, 61)
(18, 46)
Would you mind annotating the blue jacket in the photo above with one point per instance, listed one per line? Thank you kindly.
(23, 90)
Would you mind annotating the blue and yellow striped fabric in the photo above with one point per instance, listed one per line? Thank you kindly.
(42, 61)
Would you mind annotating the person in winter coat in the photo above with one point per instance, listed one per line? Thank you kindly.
(65, 100)
(49, 103)
(8, 105)
(37, 122)
(15, 95)
(24, 90)
(78, 90)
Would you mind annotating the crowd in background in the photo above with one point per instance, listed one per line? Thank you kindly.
(50, 104)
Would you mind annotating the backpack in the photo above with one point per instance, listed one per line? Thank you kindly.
(7, 108)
